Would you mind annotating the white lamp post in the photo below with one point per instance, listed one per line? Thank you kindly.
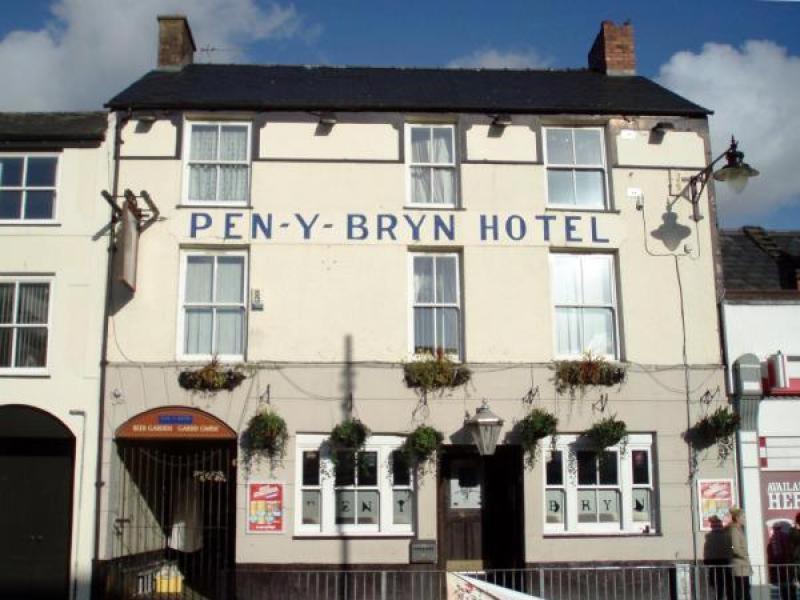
(484, 426)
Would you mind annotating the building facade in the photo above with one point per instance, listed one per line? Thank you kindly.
(761, 313)
(325, 228)
(53, 264)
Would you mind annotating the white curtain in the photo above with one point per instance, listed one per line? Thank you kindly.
(442, 145)
(566, 278)
(423, 279)
(446, 280)
(598, 331)
(202, 182)
(560, 187)
(198, 331)
(423, 330)
(568, 331)
(447, 329)
(230, 329)
(230, 279)
(33, 301)
(233, 143)
(204, 142)
(559, 147)
(444, 186)
(421, 144)
(199, 277)
(590, 189)
(596, 272)
(588, 147)
(420, 185)
(232, 183)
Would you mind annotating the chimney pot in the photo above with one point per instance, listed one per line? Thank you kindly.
(175, 42)
(613, 52)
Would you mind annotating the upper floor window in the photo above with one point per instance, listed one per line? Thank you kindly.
(24, 323)
(218, 168)
(436, 303)
(587, 491)
(431, 158)
(585, 306)
(213, 308)
(576, 167)
(27, 187)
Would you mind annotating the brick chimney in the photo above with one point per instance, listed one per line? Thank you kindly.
(613, 52)
(175, 42)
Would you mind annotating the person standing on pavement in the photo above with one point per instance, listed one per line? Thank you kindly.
(740, 560)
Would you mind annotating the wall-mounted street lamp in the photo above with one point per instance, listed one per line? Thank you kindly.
(502, 120)
(484, 426)
(736, 172)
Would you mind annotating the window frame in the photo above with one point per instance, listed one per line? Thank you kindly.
(181, 329)
(569, 445)
(18, 280)
(413, 304)
(602, 166)
(188, 124)
(25, 188)
(614, 306)
(384, 445)
(454, 166)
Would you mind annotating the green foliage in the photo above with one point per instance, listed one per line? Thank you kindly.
(605, 433)
(435, 373)
(590, 370)
(422, 444)
(266, 435)
(349, 435)
(536, 425)
(718, 428)
(211, 378)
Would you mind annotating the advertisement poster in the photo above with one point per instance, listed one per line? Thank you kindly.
(780, 503)
(265, 507)
(716, 497)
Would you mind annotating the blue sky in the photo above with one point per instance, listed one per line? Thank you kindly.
(63, 54)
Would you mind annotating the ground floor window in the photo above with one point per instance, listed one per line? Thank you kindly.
(587, 491)
(353, 493)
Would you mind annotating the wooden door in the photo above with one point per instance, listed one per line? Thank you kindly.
(461, 491)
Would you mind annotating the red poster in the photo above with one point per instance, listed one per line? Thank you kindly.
(265, 507)
(780, 503)
(716, 498)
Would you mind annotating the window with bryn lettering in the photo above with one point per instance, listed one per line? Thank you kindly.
(576, 167)
(217, 163)
(369, 492)
(435, 304)
(431, 160)
(591, 492)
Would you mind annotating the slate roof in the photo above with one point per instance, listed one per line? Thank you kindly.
(757, 262)
(283, 87)
(44, 127)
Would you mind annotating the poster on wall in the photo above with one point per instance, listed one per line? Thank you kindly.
(780, 504)
(265, 510)
(716, 497)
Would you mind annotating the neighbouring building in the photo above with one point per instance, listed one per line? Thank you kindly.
(761, 317)
(53, 265)
(327, 227)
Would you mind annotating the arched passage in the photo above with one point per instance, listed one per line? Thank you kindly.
(175, 497)
(37, 457)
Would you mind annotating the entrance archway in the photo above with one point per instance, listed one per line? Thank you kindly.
(37, 457)
(174, 531)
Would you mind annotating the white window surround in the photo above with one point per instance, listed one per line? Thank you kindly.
(24, 188)
(188, 126)
(574, 167)
(181, 353)
(384, 445)
(451, 304)
(431, 165)
(584, 301)
(568, 445)
(13, 325)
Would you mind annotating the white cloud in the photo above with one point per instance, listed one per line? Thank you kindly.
(92, 49)
(490, 58)
(755, 94)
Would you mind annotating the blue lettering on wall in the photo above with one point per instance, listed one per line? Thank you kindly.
(485, 228)
(386, 225)
(229, 225)
(195, 224)
(441, 227)
(596, 236)
(307, 226)
(415, 226)
(355, 222)
(258, 224)
(569, 229)
(546, 220)
(518, 231)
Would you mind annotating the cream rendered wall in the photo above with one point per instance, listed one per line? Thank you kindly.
(73, 251)
(318, 292)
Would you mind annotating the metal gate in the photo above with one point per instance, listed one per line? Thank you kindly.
(174, 533)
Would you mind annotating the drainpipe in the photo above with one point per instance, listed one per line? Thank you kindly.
(82, 415)
(120, 121)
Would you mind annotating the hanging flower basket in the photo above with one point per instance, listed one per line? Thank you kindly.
(266, 435)
(589, 371)
(435, 373)
(535, 426)
(718, 428)
(349, 435)
(422, 444)
(211, 378)
(606, 433)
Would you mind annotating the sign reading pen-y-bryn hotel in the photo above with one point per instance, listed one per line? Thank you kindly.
(406, 227)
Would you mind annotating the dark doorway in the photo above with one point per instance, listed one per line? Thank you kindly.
(481, 518)
(37, 456)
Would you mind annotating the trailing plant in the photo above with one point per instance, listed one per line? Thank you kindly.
(605, 433)
(212, 377)
(718, 428)
(536, 425)
(421, 445)
(266, 435)
(349, 435)
(589, 370)
(435, 372)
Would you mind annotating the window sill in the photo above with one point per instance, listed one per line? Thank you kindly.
(362, 535)
(200, 360)
(196, 205)
(435, 207)
(28, 223)
(600, 211)
(599, 534)
(25, 373)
